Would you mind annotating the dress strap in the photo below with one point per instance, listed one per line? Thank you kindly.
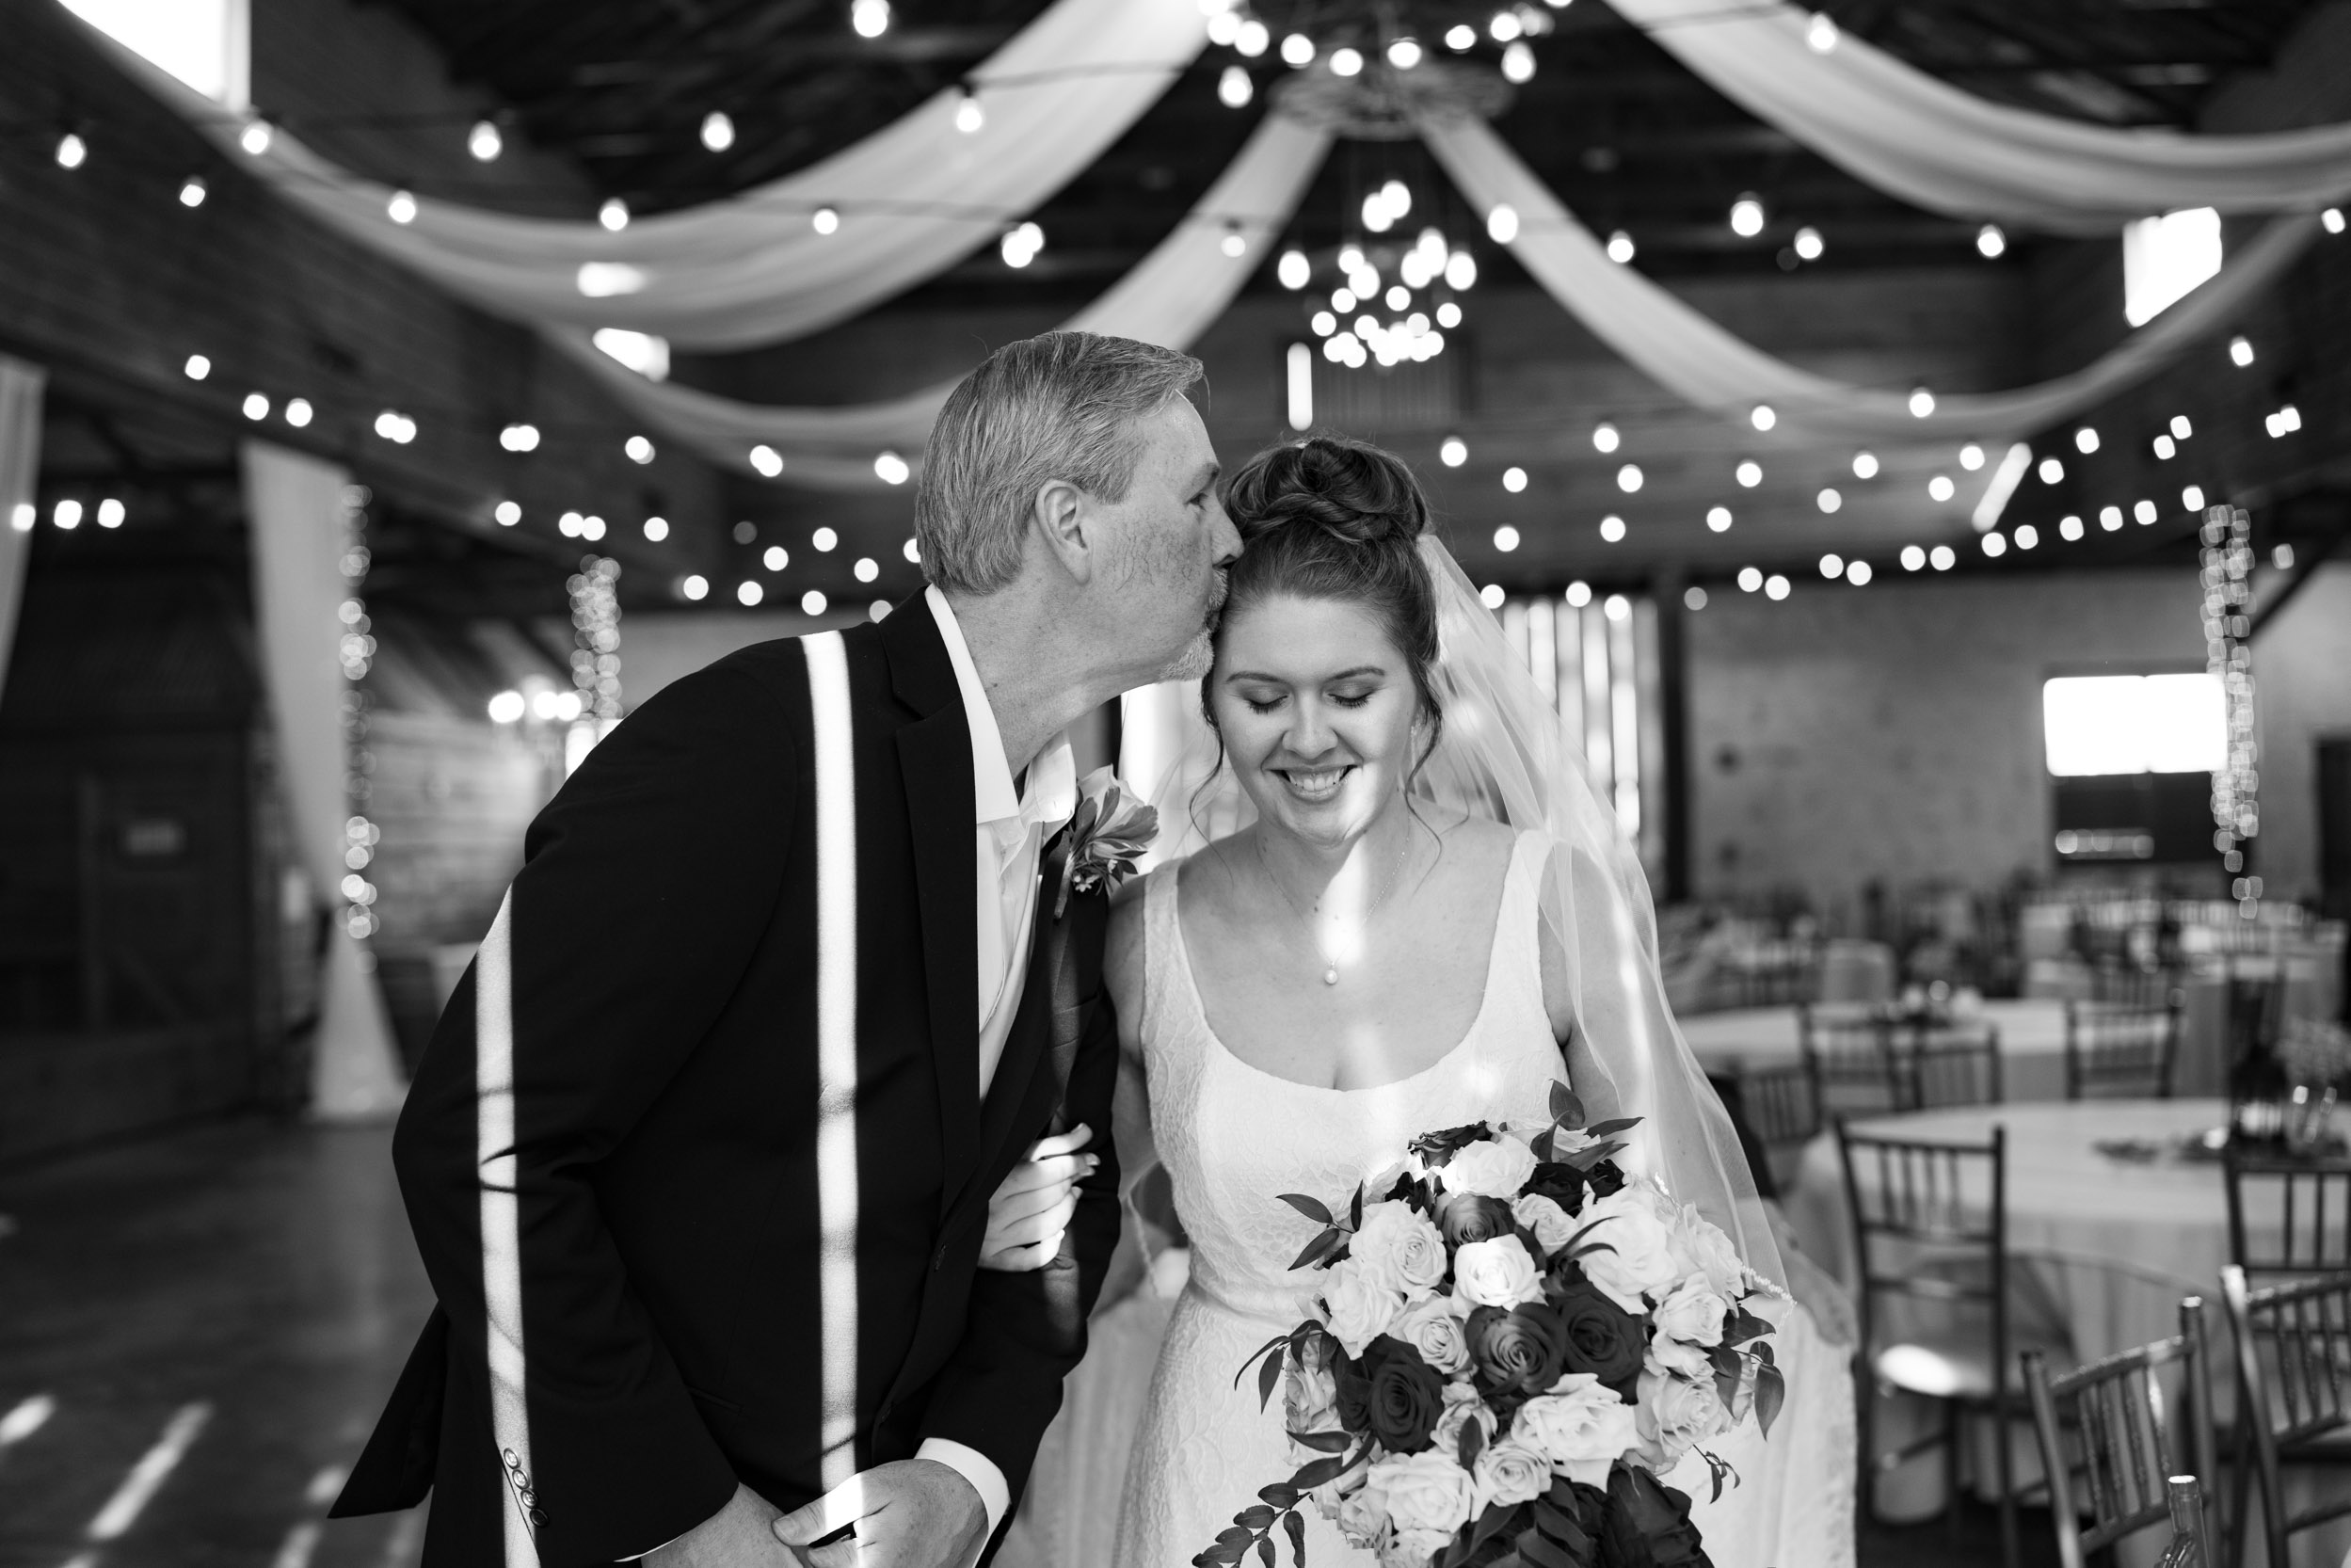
(1160, 953)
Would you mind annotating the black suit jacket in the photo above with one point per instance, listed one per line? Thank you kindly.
(666, 1232)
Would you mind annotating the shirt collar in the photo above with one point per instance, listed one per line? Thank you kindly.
(1052, 796)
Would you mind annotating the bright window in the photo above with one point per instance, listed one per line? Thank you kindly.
(200, 41)
(2110, 723)
(2163, 258)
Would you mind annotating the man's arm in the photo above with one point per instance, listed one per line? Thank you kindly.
(646, 884)
(1026, 1331)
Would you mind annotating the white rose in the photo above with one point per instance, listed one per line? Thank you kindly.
(1581, 1427)
(1309, 1397)
(1674, 1412)
(1362, 1515)
(1433, 1328)
(1636, 1256)
(1492, 1168)
(1500, 1272)
(1668, 1355)
(1551, 1223)
(1463, 1405)
(1425, 1491)
(1357, 1308)
(1414, 1548)
(1509, 1473)
(1699, 1245)
(1399, 1248)
(1692, 1312)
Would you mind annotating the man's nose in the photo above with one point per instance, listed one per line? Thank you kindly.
(1227, 538)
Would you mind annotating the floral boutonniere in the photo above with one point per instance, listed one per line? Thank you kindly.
(1107, 835)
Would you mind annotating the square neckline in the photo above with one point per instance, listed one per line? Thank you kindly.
(1199, 1008)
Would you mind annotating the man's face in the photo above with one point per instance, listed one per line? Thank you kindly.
(1167, 546)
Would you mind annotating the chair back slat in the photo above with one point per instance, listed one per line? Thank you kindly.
(2293, 1357)
(2133, 1439)
(1781, 1104)
(1848, 1056)
(1948, 1200)
(2118, 1049)
(1951, 1068)
(2308, 1200)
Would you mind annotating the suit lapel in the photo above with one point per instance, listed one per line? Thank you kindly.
(936, 754)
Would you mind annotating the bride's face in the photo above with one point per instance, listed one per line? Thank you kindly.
(1318, 714)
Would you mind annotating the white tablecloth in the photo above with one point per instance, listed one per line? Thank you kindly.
(2032, 1042)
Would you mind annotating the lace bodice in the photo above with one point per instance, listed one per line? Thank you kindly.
(1232, 1136)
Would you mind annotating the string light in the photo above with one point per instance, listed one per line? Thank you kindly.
(1294, 271)
(1323, 323)
(969, 116)
(2332, 220)
(1628, 478)
(812, 603)
(1492, 596)
(197, 367)
(72, 152)
(2026, 536)
(2181, 428)
(1970, 456)
(2110, 518)
(767, 461)
(1460, 270)
(1749, 473)
(1461, 38)
(2069, 528)
(1694, 597)
(870, 18)
(1820, 33)
(1865, 465)
(2085, 441)
(1346, 62)
(2145, 511)
(1914, 558)
(1809, 244)
(1448, 315)
(866, 569)
(1518, 63)
(1506, 538)
(1829, 501)
(693, 587)
(1504, 26)
(639, 450)
(656, 530)
(891, 468)
(400, 207)
(1298, 51)
(1605, 436)
(1991, 243)
(912, 550)
(67, 514)
(1620, 247)
(1513, 479)
(1761, 416)
(2241, 351)
(1996, 545)
(2286, 421)
(1021, 245)
(255, 138)
(2192, 497)
(1403, 52)
(1747, 216)
(1719, 519)
(613, 214)
(110, 513)
(825, 540)
(1775, 587)
(1940, 489)
(298, 411)
(1253, 37)
(256, 407)
(514, 437)
(1453, 452)
(1502, 224)
(506, 513)
(1578, 594)
(824, 221)
(748, 593)
(2052, 471)
(192, 192)
(485, 142)
(1832, 565)
(1234, 244)
(775, 558)
(1225, 28)
(1921, 403)
(1612, 529)
(2165, 448)
(1858, 573)
(718, 131)
(596, 642)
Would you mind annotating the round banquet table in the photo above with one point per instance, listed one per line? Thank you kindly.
(2110, 1246)
(2032, 1042)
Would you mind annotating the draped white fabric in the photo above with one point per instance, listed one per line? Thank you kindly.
(1946, 150)
(295, 504)
(19, 469)
(1169, 299)
(1693, 356)
(913, 199)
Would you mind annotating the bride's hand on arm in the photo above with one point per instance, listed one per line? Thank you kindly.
(1034, 1205)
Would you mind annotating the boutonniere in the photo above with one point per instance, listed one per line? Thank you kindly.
(1106, 836)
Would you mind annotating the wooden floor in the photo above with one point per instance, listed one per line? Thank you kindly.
(197, 1331)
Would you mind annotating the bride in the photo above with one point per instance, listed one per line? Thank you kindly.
(1429, 921)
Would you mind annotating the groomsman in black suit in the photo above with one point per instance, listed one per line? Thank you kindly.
(700, 1157)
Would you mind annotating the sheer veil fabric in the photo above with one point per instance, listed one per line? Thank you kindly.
(1505, 755)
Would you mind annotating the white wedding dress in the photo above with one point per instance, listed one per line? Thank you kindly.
(1233, 1137)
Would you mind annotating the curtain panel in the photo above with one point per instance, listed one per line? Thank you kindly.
(20, 473)
(296, 507)
(912, 200)
(1944, 148)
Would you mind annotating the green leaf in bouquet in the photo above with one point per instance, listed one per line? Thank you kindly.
(1541, 1145)
(1279, 1494)
(1543, 1552)
(1265, 1550)
(1322, 1249)
(1321, 1441)
(1744, 1326)
(1726, 1385)
(1296, 1527)
(1269, 1376)
(1594, 1157)
(1566, 1110)
(1258, 1516)
(1317, 1472)
(1763, 1353)
(1230, 1545)
(1354, 1209)
(1611, 1127)
(1313, 1208)
(1274, 1344)
(1771, 1392)
(1719, 1468)
(1473, 1443)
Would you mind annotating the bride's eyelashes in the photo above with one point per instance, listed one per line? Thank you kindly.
(1337, 699)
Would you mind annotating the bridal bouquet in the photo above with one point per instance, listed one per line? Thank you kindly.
(1512, 1341)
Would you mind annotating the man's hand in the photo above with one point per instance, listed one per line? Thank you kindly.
(916, 1513)
(741, 1535)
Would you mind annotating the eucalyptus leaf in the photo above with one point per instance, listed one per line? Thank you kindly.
(1321, 1441)
(1268, 1377)
(1771, 1392)
(1313, 1208)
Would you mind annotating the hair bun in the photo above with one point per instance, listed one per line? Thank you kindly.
(1348, 489)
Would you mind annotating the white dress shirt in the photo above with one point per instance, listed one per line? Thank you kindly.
(1010, 827)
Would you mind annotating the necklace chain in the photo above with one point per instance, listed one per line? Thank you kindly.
(1330, 965)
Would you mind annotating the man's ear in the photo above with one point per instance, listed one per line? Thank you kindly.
(1066, 519)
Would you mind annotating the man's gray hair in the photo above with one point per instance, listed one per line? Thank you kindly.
(1062, 406)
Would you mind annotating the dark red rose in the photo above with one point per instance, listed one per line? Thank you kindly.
(1402, 1396)
(1648, 1525)
(1601, 1337)
(1604, 1179)
(1562, 1183)
(1436, 1149)
(1466, 1217)
(1521, 1350)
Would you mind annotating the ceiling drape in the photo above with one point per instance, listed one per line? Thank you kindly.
(1948, 151)
(913, 199)
(1694, 356)
(1168, 297)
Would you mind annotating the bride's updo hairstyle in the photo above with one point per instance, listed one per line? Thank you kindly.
(1328, 518)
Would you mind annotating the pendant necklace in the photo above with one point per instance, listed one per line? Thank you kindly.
(1330, 965)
